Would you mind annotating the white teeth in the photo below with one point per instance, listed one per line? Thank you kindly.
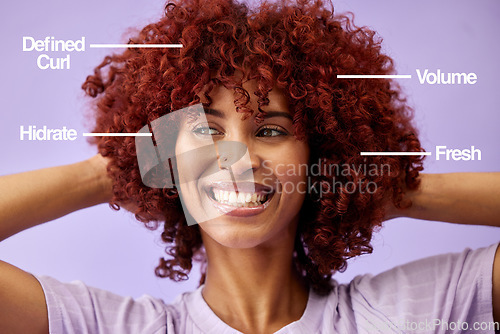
(238, 199)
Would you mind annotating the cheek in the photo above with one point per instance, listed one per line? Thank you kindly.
(193, 158)
(290, 169)
(188, 169)
(293, 189)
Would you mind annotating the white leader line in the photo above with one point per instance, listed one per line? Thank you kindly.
(396, 153)
(105, 134)
(374, 76)
(136, 45)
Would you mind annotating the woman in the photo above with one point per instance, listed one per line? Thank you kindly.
(269, 83)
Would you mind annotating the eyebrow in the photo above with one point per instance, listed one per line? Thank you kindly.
(268, 114)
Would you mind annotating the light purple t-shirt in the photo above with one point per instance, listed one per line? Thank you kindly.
(413, 298)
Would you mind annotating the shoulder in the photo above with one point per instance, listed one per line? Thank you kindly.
(445, 289)
(431, 274)
(75, 307)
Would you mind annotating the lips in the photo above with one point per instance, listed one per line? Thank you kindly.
(240, 198)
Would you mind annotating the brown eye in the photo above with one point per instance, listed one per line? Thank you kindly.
(270, 132)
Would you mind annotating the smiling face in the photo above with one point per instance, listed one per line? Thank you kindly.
(257, 200)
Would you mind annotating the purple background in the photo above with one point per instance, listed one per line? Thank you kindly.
(112, 251)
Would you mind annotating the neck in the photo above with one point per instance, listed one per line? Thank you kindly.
(254, 290)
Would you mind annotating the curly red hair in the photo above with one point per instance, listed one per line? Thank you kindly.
(299, 47)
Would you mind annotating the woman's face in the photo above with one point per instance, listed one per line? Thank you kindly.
(257, 200)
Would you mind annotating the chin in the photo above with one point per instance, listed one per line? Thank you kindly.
(230, 235)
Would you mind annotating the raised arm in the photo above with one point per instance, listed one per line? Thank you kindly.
(29, 199)
(464, 198)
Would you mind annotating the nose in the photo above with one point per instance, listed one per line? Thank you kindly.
(236, 156)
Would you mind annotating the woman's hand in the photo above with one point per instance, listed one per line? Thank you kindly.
(390, 209)
(100, 164)
(98, 168)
